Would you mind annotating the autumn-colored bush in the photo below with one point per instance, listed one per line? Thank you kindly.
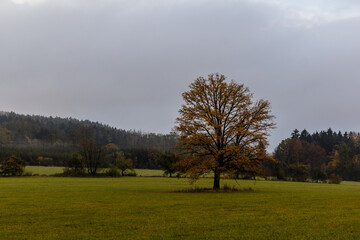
(113, 171)
(334, 179)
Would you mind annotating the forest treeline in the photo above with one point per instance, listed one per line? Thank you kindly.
(49, 141)
(318, 156)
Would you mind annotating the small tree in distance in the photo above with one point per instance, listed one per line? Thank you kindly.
(92, 152)
(221, 130)
(167, 163)
(75, 165)
(123, 163)
(12, 166)
(111, 152)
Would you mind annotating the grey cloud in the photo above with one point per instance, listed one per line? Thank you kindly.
(126, 63)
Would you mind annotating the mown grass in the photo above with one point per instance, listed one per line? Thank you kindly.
(40, 170)
(43, 170)
(148, 208)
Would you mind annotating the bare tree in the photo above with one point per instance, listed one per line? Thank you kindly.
(91, 151)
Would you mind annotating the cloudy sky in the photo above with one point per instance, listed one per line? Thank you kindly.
(126, 62)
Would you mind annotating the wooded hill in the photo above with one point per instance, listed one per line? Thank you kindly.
(318, 155)
(31, 136)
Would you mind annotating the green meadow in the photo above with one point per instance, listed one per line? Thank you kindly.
(148, 208)
(40, 170)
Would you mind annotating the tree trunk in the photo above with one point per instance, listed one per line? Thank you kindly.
(216, 180)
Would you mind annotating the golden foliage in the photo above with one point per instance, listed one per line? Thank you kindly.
(221, 129)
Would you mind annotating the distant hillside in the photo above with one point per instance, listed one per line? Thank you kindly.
(21, 129)
(24, 133)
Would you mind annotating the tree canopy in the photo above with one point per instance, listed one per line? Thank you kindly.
(221, 129)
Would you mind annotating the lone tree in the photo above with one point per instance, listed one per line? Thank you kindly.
(221, 130)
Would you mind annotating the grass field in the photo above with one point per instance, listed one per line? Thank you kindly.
(53, 170)
(43, 170)
(146, 208)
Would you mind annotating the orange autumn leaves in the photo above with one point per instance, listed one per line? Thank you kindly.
(221, 129)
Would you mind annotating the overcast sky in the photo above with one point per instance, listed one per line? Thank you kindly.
(126, 62)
